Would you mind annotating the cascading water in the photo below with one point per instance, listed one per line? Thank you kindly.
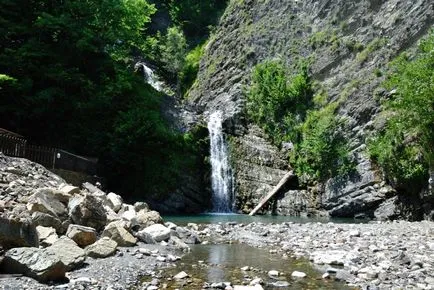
(221, 179)
(150, 76)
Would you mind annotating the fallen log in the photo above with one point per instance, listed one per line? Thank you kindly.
(276, 189)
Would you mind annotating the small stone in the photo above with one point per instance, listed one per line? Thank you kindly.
(181, 275)
(273, 273)
(245, 268)
(298, 274)
(326, 276)
(161, 259)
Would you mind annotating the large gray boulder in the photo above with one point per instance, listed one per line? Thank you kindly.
(40, 264)
(17, 233)
(103, 248)
(44, 200)
(88, 211)
(117, 232)
(83, 236)
(71, 255)
(157, 231)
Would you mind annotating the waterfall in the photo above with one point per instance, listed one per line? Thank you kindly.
(149, 76)
(221, 179)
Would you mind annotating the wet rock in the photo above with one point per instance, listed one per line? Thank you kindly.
(71, 255)
(40, 264)
(17, 233)
(104, 247)
(88, 211)
(82, 235)
(157, 231)
(178, 243)
(117, 232)
(281, 284)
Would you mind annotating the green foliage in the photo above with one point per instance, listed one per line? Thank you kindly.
(282, 106)
(405, 148)
(174, 50)
(323, 151)
(191, 67)
(66, 81)
(277, 103)
(195, 17)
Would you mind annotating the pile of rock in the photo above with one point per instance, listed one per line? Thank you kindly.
(48, 227)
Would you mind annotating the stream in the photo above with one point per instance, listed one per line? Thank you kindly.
(212, 265)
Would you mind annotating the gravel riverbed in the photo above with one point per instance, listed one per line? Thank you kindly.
(376, 255)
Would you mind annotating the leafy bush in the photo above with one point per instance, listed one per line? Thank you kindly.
(280, 105)
(405, 148)
(191, 67)
(277, 103)
(323, 151)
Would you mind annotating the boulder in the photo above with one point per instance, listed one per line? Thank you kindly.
(140, 205)
(46, 220)
(114, 201)
(17, 233)
(157, 231)
(45, 201)
(40, 264)
(178, 243)
(95, 191)
(82, 235)
(104, 247)
(69, 189)
(71, 255)
(145, 237)
(117, 232)
(146, 218)
(111, 215)
(47, 235)
(88, 211)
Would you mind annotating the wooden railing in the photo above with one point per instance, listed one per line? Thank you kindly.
(51, 158)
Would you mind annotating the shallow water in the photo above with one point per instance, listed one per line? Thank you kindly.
(183, 220)
(222, 263)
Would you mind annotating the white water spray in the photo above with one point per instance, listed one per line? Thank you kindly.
(221, 179)
(150, 76)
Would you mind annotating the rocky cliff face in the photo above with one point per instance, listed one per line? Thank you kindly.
(350, 44)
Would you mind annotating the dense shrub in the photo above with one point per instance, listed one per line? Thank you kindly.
(283, 107)
(405, 147)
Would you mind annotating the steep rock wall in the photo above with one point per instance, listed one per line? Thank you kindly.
(350, 43)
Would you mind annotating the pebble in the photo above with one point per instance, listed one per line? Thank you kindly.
(297, 274)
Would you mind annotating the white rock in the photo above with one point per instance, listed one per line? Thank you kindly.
(157, 231)
(180, 275)
(298, 274)
(242, 287)
(114, 201)
(273, 273)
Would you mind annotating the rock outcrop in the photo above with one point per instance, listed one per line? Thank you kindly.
(67, 223)
(349, 44)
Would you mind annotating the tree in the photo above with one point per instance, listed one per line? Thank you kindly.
(173, 53)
